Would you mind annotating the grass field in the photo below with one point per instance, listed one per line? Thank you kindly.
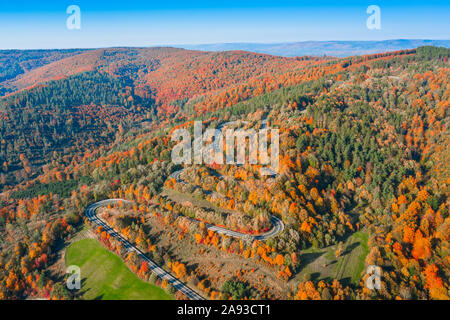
(105, 276)
(321, 264)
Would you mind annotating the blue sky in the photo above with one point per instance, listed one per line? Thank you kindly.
(42, 24)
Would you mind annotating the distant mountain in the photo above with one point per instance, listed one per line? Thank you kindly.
(320, 48)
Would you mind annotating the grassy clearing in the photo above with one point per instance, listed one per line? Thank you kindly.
(359, 265)
(105, 276)
(322, 264)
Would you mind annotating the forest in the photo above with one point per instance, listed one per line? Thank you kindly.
(363, 177)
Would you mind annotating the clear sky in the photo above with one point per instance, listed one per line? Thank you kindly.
(106, 23)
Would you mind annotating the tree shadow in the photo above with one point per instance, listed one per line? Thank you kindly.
(345, 281)
(192, 266)
(307, 258)
(315, 276)
(82, 291)
(351, 247)
(331, 263)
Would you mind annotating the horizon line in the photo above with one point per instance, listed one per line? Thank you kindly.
(219, 43)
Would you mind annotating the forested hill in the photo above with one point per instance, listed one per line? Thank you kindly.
(17, 62)
(185, 72)
(77, 100)
(368, 155)
(363, 177)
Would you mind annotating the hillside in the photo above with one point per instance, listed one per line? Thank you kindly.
(138, 84)
(362, 180)
(168, 71)
(15, 63)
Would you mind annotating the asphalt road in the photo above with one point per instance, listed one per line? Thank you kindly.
(277, 224)
(91, 214)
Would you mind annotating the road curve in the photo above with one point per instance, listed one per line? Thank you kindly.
(91, 214)
(277, 224)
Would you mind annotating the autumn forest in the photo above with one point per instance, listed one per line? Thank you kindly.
(363, 177)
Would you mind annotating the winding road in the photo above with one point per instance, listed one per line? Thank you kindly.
(91, 214)
(277, 224)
